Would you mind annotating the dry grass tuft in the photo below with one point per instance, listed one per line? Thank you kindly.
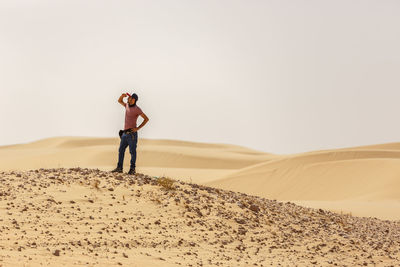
(166, 183)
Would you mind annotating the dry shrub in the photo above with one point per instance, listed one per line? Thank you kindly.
(166, 183)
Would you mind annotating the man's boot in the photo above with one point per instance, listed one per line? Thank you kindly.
(118, 169)
(132, 172)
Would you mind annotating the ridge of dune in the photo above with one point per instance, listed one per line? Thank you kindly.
(80, 216)
(77, 141)
(156, 155)
(383, 146)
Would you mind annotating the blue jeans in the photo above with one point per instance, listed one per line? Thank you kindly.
(130, 140)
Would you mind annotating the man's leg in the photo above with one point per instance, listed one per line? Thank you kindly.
(121, 152)
(132, 141)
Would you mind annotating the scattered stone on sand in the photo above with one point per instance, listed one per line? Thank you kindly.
(133, 217)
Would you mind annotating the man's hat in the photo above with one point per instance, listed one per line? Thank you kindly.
(135, 96)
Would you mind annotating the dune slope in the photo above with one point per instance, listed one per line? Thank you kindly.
(76, 217)
(364, 181)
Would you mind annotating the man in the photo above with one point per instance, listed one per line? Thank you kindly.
(129, 136)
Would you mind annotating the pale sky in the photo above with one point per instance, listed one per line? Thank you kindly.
(277, 76)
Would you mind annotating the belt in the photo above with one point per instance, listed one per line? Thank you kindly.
(128, 131)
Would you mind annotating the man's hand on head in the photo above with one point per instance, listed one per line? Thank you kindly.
(121, 100)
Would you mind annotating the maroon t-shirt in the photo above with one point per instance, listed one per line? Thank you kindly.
(131, 115)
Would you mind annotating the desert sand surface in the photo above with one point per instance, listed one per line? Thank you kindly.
(224, 206)
(88, 217)
(362, 181)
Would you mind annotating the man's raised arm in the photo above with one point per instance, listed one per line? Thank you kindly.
(121, 101)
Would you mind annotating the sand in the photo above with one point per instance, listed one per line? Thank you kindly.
(309, 206)
(363, 181)
(88, 217)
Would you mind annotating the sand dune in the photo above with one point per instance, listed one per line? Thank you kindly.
(86, 217)
(322, 176)
(364, 181)
(103, 153)
(386, 146)
(59, 214)
(361, 181)
(190, 161)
